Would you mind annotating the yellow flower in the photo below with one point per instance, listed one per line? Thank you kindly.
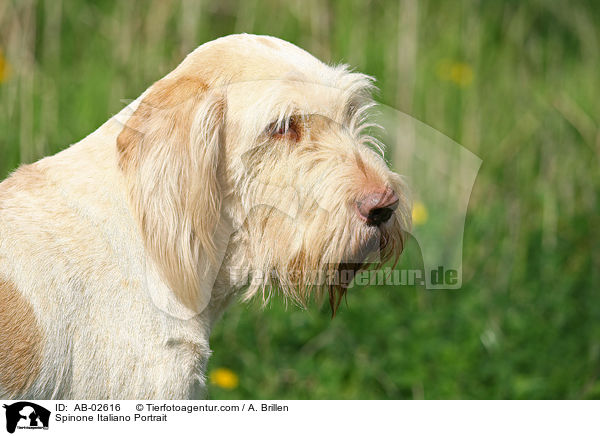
(4, 68)
(419, 213)
(458, 73)
(224, 378)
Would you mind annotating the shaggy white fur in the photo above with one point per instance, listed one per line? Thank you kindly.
(246, 169)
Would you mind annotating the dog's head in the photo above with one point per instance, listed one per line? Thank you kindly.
(253, 134)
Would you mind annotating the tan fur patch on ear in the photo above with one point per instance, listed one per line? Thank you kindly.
(20, 341)
(165, 97)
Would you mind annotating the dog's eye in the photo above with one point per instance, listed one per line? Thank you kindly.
(288, 129)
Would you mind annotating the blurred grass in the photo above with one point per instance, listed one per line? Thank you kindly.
(516, 82)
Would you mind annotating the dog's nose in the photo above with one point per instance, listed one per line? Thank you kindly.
(377, 208)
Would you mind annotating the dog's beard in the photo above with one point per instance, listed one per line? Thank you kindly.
(325, 267)
(377, 249)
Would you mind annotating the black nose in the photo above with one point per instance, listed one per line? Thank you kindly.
(376, 208)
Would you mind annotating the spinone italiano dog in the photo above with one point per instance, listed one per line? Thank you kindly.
(247, 169)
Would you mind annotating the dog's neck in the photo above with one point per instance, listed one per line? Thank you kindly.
(109, 185)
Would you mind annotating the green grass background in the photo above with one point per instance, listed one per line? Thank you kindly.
(526, 323)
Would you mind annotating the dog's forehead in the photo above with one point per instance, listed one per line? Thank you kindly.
(270, 98)
(264, 77)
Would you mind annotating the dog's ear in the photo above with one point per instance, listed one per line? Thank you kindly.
(169, 152)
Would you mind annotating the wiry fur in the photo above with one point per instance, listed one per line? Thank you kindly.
(237, 173)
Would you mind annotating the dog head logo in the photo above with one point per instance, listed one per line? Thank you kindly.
(25, 415)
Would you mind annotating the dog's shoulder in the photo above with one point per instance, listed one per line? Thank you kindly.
(26, 178)
(27, 196)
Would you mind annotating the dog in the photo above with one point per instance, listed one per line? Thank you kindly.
(246, 170)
